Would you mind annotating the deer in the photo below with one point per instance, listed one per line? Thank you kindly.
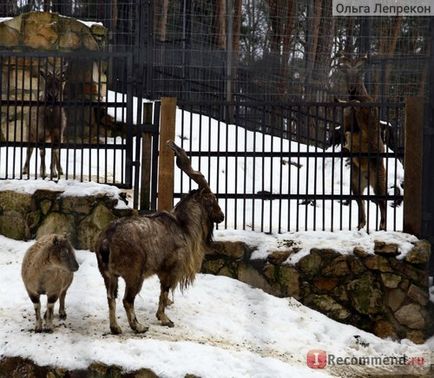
(170, 244)
(362, 132)
(48, 268)
(48, 121)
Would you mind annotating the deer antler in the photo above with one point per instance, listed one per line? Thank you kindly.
(184, 164)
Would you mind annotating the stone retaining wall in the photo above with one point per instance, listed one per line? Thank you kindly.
(377, 292)
(25, 216)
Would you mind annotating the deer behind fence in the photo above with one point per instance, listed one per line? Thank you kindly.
(48, 121)
(363, 135)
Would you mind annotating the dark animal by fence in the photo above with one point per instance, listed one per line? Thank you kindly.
(48, 121)
(169, 244)
(363, 135)
(47, 268)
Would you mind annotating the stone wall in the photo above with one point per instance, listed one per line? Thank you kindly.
(25, 216)
(376, 292)
(85, 79)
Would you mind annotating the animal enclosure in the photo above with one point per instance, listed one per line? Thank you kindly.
(257, 110)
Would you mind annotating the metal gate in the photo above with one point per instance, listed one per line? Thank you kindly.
(45, 95)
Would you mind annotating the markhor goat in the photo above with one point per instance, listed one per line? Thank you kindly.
(47, 268)
(169, 244)
(363, 135)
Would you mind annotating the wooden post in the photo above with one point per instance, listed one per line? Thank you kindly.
(165, 167)
(145, 187)
(414, 115)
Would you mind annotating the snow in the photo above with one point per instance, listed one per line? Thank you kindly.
(340, 241)
(87, 23)
(223, 328)
(69, 188)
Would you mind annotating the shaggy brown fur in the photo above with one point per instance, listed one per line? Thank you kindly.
(47, 268)
(363, 135)
(169, 244)
(48, 123)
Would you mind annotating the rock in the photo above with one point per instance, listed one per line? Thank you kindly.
(324, 253)
(57, 223)
(404, 285)
(270, 272)
(408, 270)
(10, 200)
(325, 284)
(328, 306)
(360, 252)
(69, 40)
(13, 225)
(278, 257)
(365, 295)
(225, 271)
(378, 263)
(395, 298)
(386, 249)
(390, 280)
(418, 337)
(91, 226)
(8, 37)
(420, 253)
(289, 281)
(310, 264)
(383, 329)
(340, 293)
(411, 315)
(212, 266)
(80, 205)
(356, 265)
(234, 250)
(46, 206)
(39, 30)
(337, 268)
(418, 295)
(252, 277)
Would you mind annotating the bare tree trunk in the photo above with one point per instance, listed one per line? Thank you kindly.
(220, 23)
(236, 27)
(161, 18)
(314, 26)
(8, 8)
(286, 48)
(386, 49)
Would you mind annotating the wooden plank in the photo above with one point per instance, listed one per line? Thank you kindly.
(165, 166)
(145, 185)
(414, 115)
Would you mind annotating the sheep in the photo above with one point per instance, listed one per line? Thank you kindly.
(48, 268)
(169, 244)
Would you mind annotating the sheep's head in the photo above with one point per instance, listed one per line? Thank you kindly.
(211, 206)
(204, 195)
(352, 69)
(54, 82)
(62, 254)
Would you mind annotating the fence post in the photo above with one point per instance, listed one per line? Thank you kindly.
(145, 187)
(414, 120)
(165, 167)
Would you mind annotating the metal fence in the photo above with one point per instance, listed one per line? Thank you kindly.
(279, 180)
(88, 151)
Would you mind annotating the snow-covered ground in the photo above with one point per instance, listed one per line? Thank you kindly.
(223, 328)
(340, 241)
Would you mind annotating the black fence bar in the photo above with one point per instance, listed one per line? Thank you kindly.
(282, 179)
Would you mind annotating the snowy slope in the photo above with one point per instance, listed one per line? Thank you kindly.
(223, 328)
